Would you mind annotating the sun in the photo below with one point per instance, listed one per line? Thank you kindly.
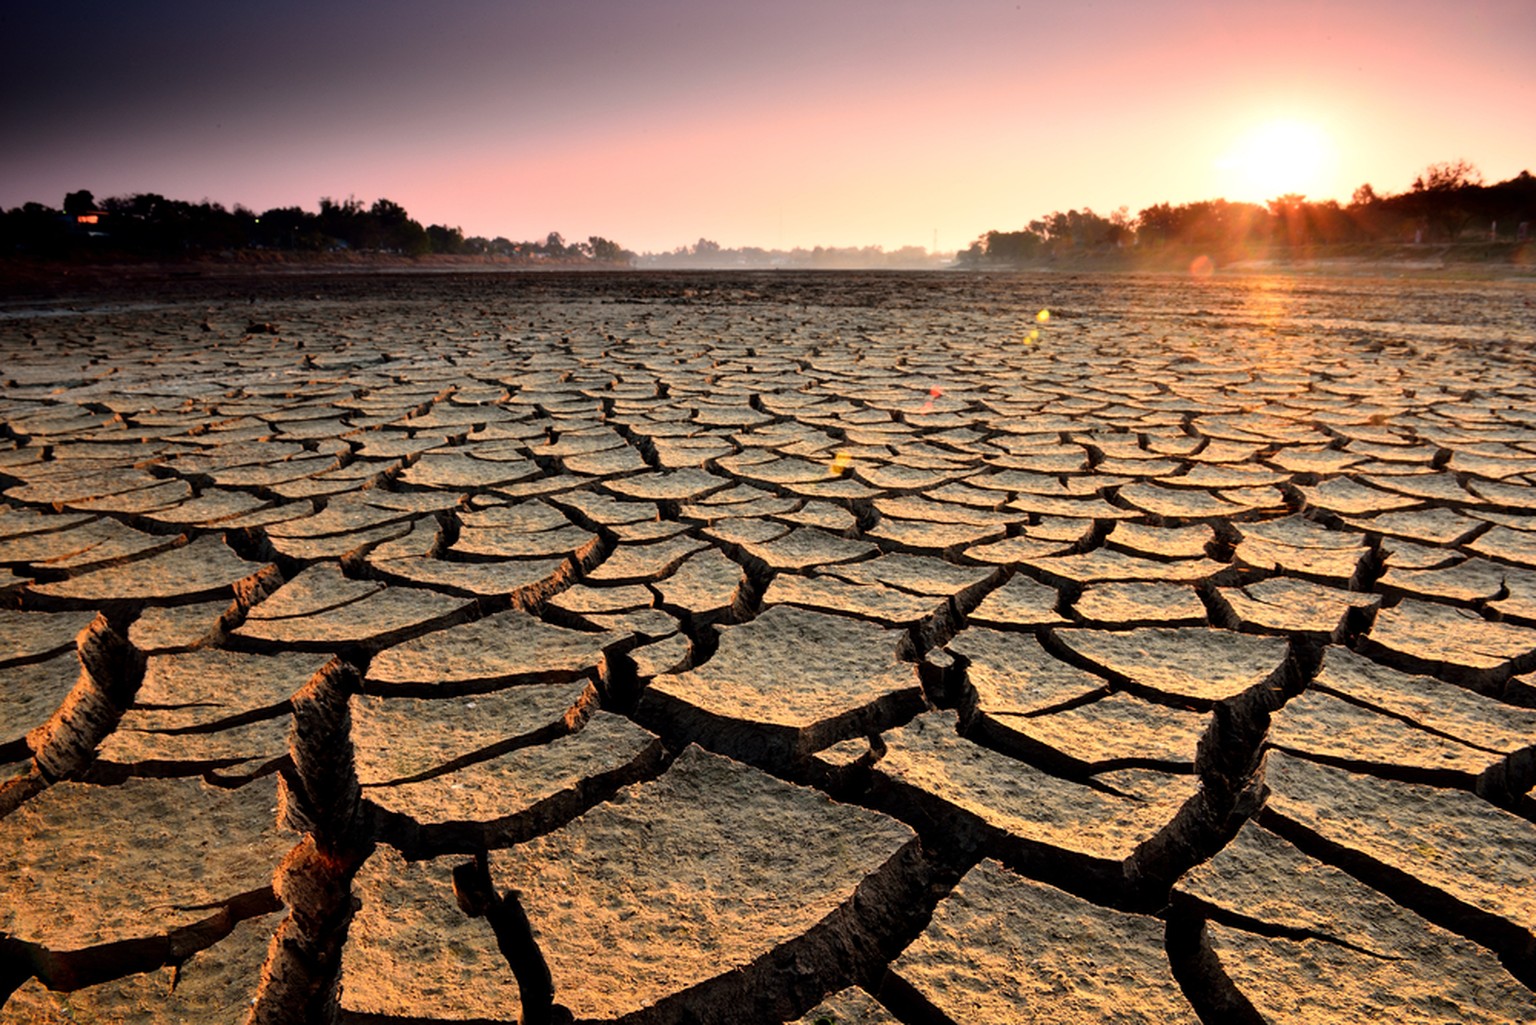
(1274, 158)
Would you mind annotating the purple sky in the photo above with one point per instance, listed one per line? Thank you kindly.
(797, 122)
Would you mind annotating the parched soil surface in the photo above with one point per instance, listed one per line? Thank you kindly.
(768, 648)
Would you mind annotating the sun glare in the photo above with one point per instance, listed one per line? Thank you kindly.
(1275, 158)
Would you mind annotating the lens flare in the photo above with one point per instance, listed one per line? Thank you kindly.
(1044, 316)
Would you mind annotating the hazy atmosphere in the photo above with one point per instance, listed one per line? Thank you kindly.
(791, 124)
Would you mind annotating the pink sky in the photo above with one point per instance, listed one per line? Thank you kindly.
(794, 123)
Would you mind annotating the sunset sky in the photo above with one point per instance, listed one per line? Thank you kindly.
(777, 124)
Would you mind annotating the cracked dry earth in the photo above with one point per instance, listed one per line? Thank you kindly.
(769, 648)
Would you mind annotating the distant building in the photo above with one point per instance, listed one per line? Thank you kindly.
(91, 223)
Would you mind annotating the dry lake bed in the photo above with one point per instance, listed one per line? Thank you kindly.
(768, 648)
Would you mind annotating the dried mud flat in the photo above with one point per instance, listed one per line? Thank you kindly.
(768, 648)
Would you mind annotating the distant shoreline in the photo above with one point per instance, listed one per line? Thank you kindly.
(38, 276)
(1454, 261)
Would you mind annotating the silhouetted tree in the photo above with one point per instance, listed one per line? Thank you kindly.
(396, 231)
(1157, 224)
(77, 203)
(33, 229)
(288, 227)
(554, 246)
(1013, 246)
(1440, 197)
(1511, 204)
(1121, 228)
(604, 250)
(342, 222)
(1447, 177)
(443, 239)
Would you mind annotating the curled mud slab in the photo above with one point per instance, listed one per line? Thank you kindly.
(766, 649)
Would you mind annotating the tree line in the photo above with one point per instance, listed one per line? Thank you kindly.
(1447, 203)
(709, 255)
(150, 225)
